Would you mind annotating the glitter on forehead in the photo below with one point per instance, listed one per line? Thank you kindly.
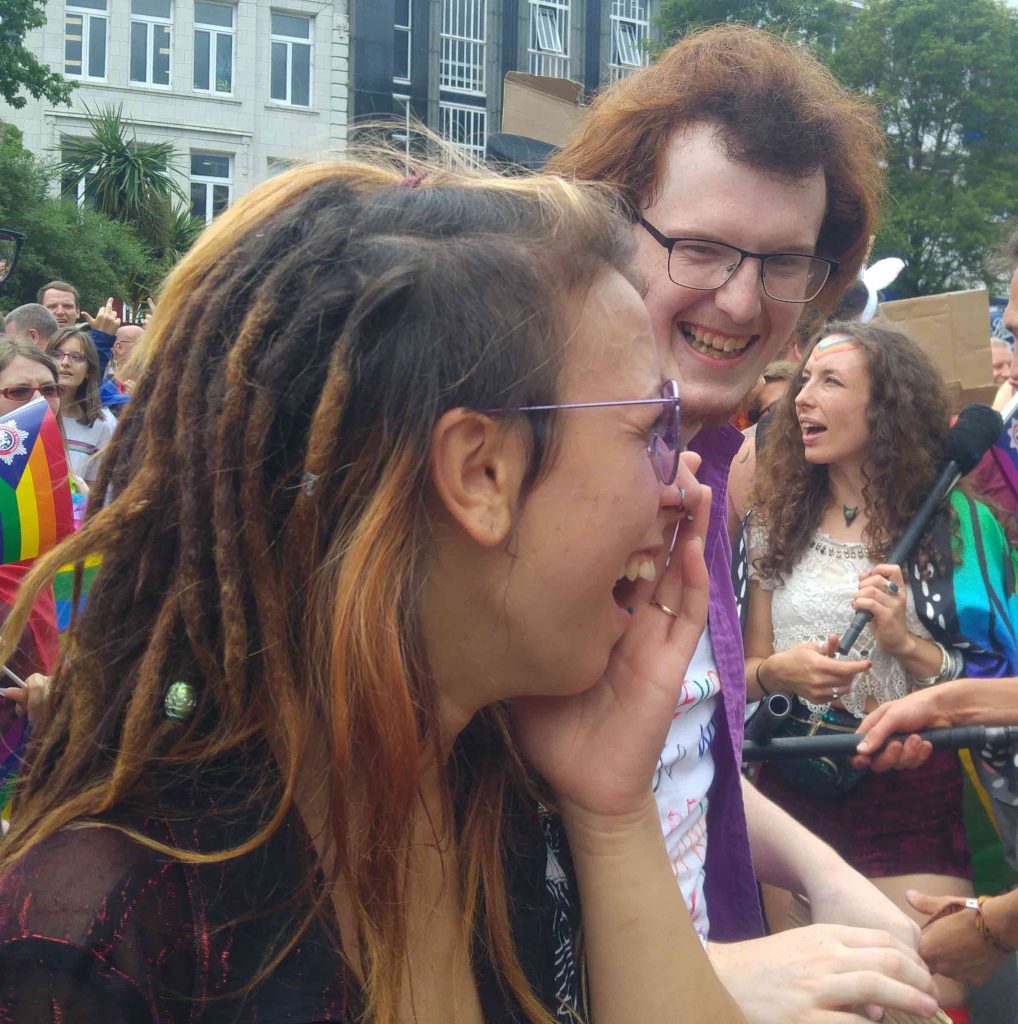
(834, 343)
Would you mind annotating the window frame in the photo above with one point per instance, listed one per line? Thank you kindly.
(462, 66)
(407, 31)
(446, 114)
(214, 32)
(150, 21)
(290, 42)
(209, 181)
(543, 60)
(87, 15)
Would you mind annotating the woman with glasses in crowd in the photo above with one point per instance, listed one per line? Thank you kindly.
(853, 450)
(26, 372)
(321, 747)
(88, 426)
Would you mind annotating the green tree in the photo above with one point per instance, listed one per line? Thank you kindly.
(941, 73)
(99, 255)
(819, 23)
(131, 182)
(19, 69)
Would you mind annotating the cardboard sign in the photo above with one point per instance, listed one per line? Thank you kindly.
(954, 330)
(541, 108)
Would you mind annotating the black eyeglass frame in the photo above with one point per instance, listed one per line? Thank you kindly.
(19, 240)
(669, 396)
(744, 254)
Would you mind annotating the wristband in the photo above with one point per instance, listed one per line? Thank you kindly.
(763, 689)
(947, 665)
(984, 929)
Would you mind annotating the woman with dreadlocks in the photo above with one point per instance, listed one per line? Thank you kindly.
(358, 713)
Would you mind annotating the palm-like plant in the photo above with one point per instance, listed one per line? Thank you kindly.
(130, 181)
(127, 179)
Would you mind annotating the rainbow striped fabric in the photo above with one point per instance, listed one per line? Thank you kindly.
(63, 589)
(35, 496)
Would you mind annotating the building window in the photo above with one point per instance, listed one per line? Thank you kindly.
(150, 41)
(290, 77)
(401, 41)
(213, 48)
(461, 68)
(211, 185)
(549, 38)
(85, 39)
(629, 26)
(80, 190)
(465, 127)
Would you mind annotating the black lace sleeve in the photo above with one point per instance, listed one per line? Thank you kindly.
(94, 928)
(50, 982)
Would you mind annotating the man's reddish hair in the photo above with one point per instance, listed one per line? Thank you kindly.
(776, 108)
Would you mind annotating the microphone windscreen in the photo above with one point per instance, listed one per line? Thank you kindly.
(972, 435)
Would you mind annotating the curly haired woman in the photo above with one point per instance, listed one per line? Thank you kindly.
(856, 446)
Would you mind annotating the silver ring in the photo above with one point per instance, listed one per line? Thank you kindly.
(891, 588)
(835, 693)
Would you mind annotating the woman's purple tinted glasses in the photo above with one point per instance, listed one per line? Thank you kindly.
(665, 445)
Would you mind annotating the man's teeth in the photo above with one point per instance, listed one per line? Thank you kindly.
(711, 344)
(639, 567)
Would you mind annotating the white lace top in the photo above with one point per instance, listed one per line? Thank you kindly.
(815, 600)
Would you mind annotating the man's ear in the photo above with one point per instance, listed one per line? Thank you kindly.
(476, 469)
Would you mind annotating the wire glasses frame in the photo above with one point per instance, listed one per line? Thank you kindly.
(665, 445)
(785, 276)
(24, 392)
(58, 356)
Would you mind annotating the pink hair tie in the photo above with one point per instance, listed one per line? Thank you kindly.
(413, 180)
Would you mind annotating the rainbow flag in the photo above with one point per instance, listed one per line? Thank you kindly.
(63, 589)
(35, 496)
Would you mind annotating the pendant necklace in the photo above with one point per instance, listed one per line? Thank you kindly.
(849, 512)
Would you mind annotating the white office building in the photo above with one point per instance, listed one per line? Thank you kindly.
(242, 89)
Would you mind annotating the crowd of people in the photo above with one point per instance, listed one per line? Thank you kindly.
(413, 681)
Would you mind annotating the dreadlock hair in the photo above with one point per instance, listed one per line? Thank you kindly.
(268, 532)
(907, 421)
(87, 397)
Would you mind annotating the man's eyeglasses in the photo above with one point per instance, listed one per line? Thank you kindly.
(75, 357)
(24, 392)
(665, 445)
(705, 265)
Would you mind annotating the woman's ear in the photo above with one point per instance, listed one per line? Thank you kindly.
(477, 467)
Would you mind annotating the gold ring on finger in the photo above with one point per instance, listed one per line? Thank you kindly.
(665, 609)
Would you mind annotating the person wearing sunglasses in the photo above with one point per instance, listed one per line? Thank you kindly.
(88, 426)
(26, 372)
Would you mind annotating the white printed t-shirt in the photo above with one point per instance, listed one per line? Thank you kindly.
(684, 774)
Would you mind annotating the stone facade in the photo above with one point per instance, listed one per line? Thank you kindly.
(234, 117)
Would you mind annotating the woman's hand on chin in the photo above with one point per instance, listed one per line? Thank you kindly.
(598, 750)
